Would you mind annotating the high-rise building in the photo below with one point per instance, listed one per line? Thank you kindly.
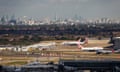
(3, 20)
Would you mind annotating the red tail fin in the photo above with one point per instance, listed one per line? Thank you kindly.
(79, 45)
(112, 50)
(86, 40)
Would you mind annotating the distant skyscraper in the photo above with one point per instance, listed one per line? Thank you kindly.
(13, 20)
(7, 18)
(13, 17)
(75, 17)
(3, 20)
(55, 17)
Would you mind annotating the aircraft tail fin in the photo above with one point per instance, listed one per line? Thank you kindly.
(79, 45)
(86, 40)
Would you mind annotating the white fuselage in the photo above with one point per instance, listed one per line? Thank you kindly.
(40, 46)
(72, 43)
(91, 48)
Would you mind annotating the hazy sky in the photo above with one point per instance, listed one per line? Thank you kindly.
(61, 8)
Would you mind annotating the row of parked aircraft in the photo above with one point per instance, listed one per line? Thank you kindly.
(79, 43)
(88, 48)
(42, 46)
(98, 50)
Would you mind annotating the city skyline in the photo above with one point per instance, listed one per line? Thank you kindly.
(61, 8)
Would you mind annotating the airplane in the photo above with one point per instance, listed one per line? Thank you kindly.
(40, 46)
(73, 43)
(107, 51)
(104, 51)
(89, 48)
